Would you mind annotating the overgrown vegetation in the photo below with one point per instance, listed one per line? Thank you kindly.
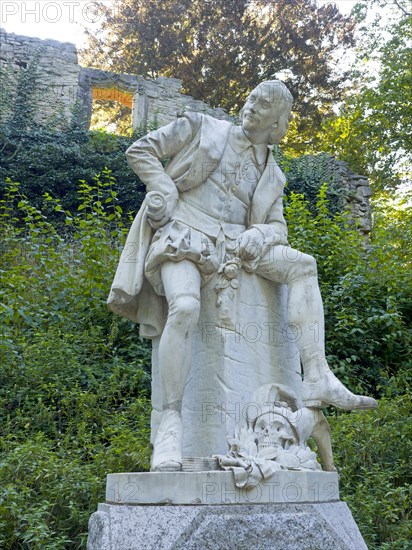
(74, 392)
(74, 397)
(75, 379)
(46, 161)
(47, 158)
(372, 453)
(367, 290)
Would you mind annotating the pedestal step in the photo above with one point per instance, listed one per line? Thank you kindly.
(218, 487)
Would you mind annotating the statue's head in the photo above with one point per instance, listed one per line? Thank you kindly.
(267, 112)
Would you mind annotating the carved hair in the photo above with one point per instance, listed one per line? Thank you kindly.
(281, 95)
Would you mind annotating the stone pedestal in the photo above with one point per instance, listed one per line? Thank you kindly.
(205, 510)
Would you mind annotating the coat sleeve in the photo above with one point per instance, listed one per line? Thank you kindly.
(274, 229)
(145, 155)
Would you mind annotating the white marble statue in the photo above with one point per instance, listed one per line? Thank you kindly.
(214, 208)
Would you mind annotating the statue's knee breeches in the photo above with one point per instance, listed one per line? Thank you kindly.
(304, 267)
(286, 265)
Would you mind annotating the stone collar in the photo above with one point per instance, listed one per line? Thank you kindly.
(239, 143)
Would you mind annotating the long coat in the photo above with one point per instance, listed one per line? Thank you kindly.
(131, 294)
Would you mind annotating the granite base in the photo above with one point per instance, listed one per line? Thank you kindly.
(205, 510)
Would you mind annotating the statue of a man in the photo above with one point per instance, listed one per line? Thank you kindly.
(222, 194)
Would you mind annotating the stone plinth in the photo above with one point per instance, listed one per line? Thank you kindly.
(218, 487)
(205, 510)
(322, 526)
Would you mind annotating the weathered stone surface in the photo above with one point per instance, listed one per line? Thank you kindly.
(218, 487)
(322, 526)
(55, 86)
(220, 387)
(357, 191)
(99, 531)
(58, 69)
(364, 190)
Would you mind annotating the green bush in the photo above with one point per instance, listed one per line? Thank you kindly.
(367, 291)
(75, 379)
(372, 453)
(49, 161)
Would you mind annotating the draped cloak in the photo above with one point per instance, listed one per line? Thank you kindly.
(131, 295)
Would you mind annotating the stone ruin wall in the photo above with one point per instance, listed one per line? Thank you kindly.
(357, 194)
(148, 100)
(57, 75)
(64, 88)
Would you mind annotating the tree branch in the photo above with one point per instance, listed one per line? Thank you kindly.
(402, 8)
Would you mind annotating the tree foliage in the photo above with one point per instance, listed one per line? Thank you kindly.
(221, 49)
(373, 131)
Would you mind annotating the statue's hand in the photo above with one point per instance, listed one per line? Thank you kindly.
(159, 209)
(250, 244)
(155, 224)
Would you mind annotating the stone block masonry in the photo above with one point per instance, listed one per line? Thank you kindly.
(63, 89)
(206, 510)
(56, 75)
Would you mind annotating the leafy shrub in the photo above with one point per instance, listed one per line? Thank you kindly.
(46, 161)
(74, 379)
(372, 452)
(366, 288)
(74, 396)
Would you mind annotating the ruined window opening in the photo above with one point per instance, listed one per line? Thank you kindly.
(111, 110)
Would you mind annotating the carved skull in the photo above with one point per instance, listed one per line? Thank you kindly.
(274, 430)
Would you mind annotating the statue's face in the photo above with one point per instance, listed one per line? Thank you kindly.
(273, 430)
(262, 110)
